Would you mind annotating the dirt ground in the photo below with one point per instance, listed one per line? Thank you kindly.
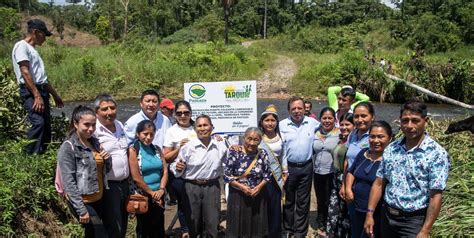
(174, 232)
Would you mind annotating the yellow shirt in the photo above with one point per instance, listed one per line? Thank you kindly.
(100, 177)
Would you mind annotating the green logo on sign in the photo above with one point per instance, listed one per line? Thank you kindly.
(197, 91)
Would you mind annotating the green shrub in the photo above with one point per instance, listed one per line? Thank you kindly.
(9, 25)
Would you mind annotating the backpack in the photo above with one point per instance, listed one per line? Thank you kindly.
(58, 182)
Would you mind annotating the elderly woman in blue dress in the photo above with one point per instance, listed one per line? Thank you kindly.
(247, 172)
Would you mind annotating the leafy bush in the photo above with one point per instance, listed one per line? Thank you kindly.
(457, 211)
(432, 33)
(9, 27)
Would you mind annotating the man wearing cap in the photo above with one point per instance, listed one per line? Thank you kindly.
(34, 87)
(167, 107)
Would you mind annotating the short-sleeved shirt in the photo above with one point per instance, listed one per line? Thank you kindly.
(162, 123)
(176, 133)
(411, 174)
(22, 51)
(202, 162)
(298, 139)
(364, 171)
(116, 144)
(355, 144)
(323, 145)
(236, 163)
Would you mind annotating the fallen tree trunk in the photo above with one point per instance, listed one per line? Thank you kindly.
(432, 94)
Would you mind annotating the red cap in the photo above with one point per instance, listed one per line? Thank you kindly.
(167, 103)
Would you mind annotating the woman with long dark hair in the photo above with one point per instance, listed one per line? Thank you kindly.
(272, 143)
(83, 166)
(338, 221)
(325, 140)
(362, 174)
(176, 137)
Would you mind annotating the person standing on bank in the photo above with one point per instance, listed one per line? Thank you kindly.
(149, 103)
(364, 115)
(176, 137)
(199, 163)
(344, 99)
(338, 220)
(362, 174)
(83, 166)
(247, 171)
(149, 171)
(111, 136)
(298, 136)
(34, 86)
(414, 159)
(272, 143)
(326, 139)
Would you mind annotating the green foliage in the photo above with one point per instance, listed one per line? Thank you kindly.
(102, 29)
(9, 25)
(12, 114)
(457, 211)
(432, 33)
(207, 28)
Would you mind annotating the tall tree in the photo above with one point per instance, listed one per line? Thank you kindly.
(227, 5)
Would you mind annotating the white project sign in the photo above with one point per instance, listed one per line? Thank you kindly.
(232, 106)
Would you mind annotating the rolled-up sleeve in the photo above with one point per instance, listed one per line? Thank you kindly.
(68, 169)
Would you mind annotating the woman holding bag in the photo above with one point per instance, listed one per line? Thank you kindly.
(150, 174)
(247, 172)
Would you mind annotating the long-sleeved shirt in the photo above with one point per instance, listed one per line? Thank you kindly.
(116, 144)
(202, 162)
(162, 124)
(323, 146)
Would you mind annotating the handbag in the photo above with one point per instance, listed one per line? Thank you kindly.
(137, 203)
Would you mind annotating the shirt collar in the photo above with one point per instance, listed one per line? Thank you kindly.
(158, 114)
(422, 146)
(198, 143)
(291, 123)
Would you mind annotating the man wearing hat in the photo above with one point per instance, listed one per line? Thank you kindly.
(167, 107)
(34, 87)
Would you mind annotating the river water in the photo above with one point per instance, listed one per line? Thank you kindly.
(383, 111)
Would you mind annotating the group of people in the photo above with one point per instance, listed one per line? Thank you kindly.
(367, 184)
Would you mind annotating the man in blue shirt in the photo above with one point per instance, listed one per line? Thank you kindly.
(414, 172)
(298, 134)
(149, 103)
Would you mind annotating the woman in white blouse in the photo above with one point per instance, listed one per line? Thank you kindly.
(176, 137)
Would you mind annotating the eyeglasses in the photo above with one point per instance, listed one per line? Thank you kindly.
(185, 113)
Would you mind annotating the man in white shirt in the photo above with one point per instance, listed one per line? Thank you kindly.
(111, 136)
(34, 87)
(149, 103)
(199, 163)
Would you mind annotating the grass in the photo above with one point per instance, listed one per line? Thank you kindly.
(125, 70)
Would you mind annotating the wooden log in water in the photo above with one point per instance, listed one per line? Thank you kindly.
(432, 94)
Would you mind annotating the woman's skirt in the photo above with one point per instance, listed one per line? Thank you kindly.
(246, 216)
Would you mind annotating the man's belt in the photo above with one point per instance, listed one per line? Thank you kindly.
(201, 181)
(397, 212)
(299, 164)
(42, 87)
